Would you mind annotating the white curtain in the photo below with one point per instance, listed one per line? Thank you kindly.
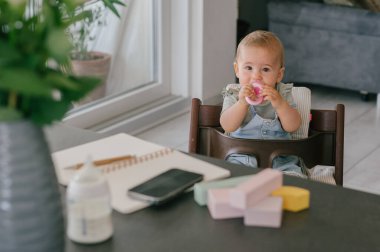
(130, 42)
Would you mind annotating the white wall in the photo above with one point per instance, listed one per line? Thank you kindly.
(213, 36)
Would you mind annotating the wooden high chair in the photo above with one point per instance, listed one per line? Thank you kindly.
(322, 146)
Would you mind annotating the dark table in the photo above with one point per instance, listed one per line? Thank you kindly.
(339, 219)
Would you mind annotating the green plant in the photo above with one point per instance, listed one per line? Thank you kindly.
(82, 33)
(35, 78)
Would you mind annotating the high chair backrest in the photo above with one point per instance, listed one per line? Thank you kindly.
(323, 146)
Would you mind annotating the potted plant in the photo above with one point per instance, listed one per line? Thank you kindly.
(85, 61)
(36, 88)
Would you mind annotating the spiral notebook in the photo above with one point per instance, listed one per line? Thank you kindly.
(149, 160)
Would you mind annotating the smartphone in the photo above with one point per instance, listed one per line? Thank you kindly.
(165, 186)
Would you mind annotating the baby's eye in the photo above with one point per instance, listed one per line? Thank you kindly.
(248, 68)
(266, 69)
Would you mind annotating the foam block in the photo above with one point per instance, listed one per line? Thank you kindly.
(200, 189)
(255, 189)
(266, 213)
(295, 198)
(218, 204)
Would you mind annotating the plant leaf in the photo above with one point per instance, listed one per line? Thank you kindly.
(79, 17)
(109, 4)
(118, 2)
(42, 116)
(8, 53)
(58, 44)
(9, 114)
(24, 82)
(60, 81)
(84, 86)
(37, 107)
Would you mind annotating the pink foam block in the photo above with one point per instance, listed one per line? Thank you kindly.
(266, 213)
(218, 204)
(255, 189)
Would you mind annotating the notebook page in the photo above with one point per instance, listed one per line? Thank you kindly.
(113, 146)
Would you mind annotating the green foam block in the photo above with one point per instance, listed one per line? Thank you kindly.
(200, 189)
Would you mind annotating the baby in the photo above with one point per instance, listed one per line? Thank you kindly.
(259, 66)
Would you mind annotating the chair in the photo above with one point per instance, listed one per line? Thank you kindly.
(323, 146)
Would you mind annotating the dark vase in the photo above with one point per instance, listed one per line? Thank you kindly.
(31, 217)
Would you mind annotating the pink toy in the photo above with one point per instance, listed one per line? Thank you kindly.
(266, 213)
(219, 206)
(257, 88)
(255, 189)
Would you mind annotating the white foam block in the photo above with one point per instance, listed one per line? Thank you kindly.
(218, 204)
(266, 213)
(257, 188)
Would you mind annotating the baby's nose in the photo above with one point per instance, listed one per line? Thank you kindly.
(256, 75)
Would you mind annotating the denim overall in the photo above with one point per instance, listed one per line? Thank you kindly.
(260, 128)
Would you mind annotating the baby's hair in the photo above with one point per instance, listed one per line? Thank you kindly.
(265, 39)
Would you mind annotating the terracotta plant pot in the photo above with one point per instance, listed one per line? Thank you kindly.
(98, 67)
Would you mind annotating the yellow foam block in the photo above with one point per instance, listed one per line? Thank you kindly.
(294, 198)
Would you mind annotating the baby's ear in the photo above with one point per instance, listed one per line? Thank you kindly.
(280, 74)
(236, 69)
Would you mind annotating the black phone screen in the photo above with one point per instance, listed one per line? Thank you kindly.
(165, 185)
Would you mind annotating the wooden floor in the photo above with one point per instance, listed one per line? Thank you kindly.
(362, 135)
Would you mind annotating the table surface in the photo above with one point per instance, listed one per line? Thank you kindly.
(338, 219)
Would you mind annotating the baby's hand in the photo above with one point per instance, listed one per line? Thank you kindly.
(246, 91)
(271, 94)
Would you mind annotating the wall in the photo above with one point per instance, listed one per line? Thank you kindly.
(213, 35)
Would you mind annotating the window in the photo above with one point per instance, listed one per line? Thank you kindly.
(140, 75)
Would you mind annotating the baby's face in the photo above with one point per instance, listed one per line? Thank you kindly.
(258, 65)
